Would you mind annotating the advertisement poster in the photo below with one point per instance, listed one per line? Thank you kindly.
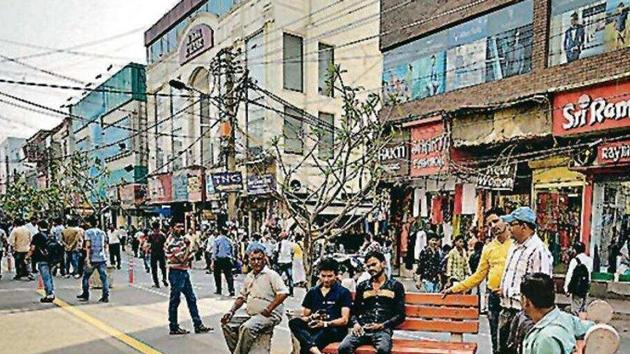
(466, 65)
(180, 186)
(428, 75)
(509, 53)
(258, 185)
(195, 185)
(397, 83)
(160, 188)
(577, 30)
(616, 32)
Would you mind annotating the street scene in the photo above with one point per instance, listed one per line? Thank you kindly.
(315, 176)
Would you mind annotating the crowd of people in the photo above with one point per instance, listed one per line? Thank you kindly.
(514, 263)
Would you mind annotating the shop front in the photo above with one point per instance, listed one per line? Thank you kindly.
(600, 116)
(132, 196)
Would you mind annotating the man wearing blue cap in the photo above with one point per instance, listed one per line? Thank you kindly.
(527, 255)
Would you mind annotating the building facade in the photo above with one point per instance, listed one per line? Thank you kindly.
(13, 162)
(287, 48)
(509, 103)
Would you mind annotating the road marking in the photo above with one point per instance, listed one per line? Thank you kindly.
(130, 341)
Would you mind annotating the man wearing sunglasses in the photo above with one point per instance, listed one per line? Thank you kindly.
(527, 255)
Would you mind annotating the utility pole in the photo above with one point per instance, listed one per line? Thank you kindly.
(230, 109)
(7, 178)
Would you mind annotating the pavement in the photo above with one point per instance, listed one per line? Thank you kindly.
(135, 319)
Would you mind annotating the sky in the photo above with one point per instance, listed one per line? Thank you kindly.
(35, 37)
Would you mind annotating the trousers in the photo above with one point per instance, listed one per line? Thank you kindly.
(244, 331)
(381, 340)
(319, 337)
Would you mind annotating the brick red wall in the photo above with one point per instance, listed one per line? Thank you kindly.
(541, 79)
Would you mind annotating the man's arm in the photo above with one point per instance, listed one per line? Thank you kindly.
(357, 309)
(569, 275)
(399, 303)
(474, 280)
(277, 300)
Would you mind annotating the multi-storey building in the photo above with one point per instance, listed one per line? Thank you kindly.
(507, 103)
(13, 162)
(287, 48)
(108, 125)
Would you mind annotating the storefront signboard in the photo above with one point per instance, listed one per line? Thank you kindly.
(160, 188)
(257, 185)
(394, 156)
(614, 153)
(498, 178)
(195, 185)
(198, 39)
(131, 194)
(227, 181)
(180, 186)
(429, 148)
(593, 109)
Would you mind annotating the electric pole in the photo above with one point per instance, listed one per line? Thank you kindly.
(230, 110)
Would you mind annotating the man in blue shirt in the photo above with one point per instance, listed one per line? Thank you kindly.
(223, 253)
(325, 311)
(96, 249)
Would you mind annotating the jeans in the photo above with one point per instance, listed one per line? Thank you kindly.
(72, 258)
(180, 284)
(101, 267)
(44, 271)
(158, 258)
(223, 265)
(146, 259)
(513, 327)
(381, 340)
(578, 304)
(114, 255)
(319, 338)
(494, 309)
(431, 287)
(21, 268)
(287, 268)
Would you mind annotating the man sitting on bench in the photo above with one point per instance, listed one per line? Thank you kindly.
(325, 311)
(379, 307)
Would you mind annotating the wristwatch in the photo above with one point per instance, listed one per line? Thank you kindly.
(325, 324)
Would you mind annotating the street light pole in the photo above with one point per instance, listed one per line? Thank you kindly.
(230, 108)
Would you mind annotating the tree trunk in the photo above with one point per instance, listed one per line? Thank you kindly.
(308, 258)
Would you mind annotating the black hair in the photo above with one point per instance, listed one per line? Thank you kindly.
(73, 222)
(539, 289)
(18, 222)
(155, 225)
(329, 264)
(579, 247)
(91, 220)
(458, 238)
(257, 250)
(529, 224)
(495, 211)
(375, 254)
(42, 224)
(478, 246)
(58, 220)
(431, 234)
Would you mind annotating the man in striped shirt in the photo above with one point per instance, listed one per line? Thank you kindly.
(527, 255)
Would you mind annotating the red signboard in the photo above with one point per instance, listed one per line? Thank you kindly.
(614, 153)
(592, 109)
(429, 148)
(161, 188)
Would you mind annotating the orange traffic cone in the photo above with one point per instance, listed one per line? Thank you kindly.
(40, 282)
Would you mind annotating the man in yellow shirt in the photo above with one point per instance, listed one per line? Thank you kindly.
(491, 265)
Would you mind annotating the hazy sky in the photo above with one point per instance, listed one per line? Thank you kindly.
(99, 32)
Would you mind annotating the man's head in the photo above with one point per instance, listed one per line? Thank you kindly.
(328, 269)
(459, 242)
(34, 220)
(522, 223)
(574, 19)
(579, 247)
(91, 220)
(257, 260)
(156, 226)
(18, 222)
(434, 239)
(375, 263)
(42, 225)
(494, 223)
(178, 228)
(58, 221)
(537, 295)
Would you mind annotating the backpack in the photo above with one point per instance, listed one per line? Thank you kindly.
(54, 250)
(579, 283)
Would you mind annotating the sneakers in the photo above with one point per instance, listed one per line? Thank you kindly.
(104, 300)
(232, 294)
(77, 276)
(203, 329)
(82, 297)
(178, 331)
(47, 299)
(165, 283)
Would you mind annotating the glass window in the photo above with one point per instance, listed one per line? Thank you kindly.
(293, 130)
(292, 56)
(326, 65)
(483, 49)
(326, 135)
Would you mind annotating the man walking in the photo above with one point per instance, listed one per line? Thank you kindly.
(553, 331)
(491, 265)
(41, 254)
(56, 231)
(156, 241)
(527, 255)
(223, 253)
(429, 265)
(113, 240)
(70, 239)
(96, 248)
(285, 260)
(33, 230)
(325, 311)
(578, 279)
(20, 241)
(179, 254)
(263, 292)
(379, 307)
(457, 262)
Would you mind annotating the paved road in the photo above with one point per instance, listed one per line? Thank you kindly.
(135, 319)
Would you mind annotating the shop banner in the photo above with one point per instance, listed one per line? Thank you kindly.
(131, 194)
(592, 109)
(198, 39)
(160, 188)
(209, 185)
(498, 178)
(614, 153)
(195, 185)
(227, 181)
(257, 185)
(180, 186)
(394, 156)
(429, 148)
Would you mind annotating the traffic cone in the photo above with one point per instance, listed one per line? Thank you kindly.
(40, 282)
(130, 265)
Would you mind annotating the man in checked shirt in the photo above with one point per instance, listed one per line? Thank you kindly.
(527, 255)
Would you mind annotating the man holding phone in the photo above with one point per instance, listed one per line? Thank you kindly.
(325, 311)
